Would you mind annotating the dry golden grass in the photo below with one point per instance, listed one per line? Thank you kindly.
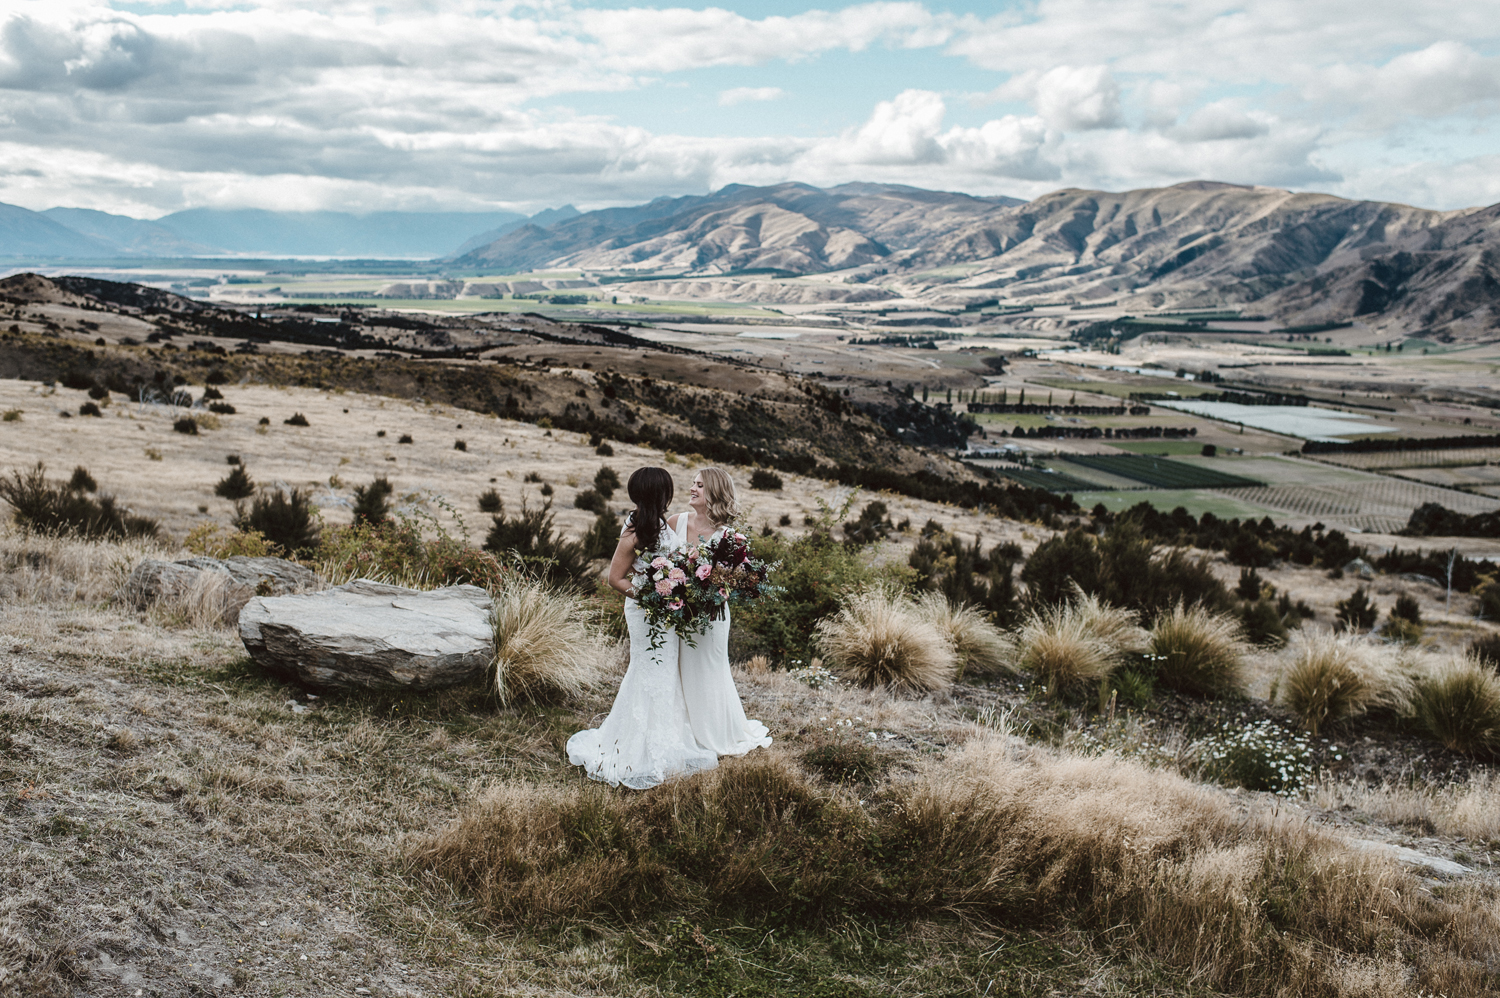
(1470, 808)
(1198, 651)
(1333, 677)
(981, 647)
(879, 638)
(544, 645)
(1076, 644)
(1260, 905)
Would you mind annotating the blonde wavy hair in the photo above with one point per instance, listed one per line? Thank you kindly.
(718, 490)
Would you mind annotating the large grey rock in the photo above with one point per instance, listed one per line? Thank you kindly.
(153, 580)
(371, 635)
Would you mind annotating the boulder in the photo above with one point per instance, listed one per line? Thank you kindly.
(153, 580)
(371, 635)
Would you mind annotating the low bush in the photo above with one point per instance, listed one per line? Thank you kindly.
(187, 424)
(879, 638)
(460, 445)
(215, 541)
(604, 450)
(1357, 612)
(372, 502)
(544, 648)
(1197, 651)
(212, 394)
(532, 541)
(221, 408)
(405, 550)
(285, 517)
(489, 501)
(1250, 584)
(236, 485)
(765, 481)
(82, 481)
(296, 419)
(1486, 649)
(981, 647)
(592, 501)
(89, 409)
(1333, 678)
(98, 393)
(11, 416)
(1407, 608)
(1459, 706)
(60, 508)
(603, 537)
(1263, 624)
(405, 438)
(1402, 631)
(1260, 757)
(606, 481)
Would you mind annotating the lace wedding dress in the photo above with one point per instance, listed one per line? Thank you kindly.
(647, 738)
(713, 703)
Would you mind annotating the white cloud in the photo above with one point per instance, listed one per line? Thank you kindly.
(1069, 98)
(741, 95)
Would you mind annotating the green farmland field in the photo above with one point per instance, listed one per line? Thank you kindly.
(1052, 481)
(1162, 473)
(1157, 446)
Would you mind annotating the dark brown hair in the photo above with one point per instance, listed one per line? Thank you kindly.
(651, 490)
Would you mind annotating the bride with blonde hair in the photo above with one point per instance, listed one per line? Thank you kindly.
(713, 703)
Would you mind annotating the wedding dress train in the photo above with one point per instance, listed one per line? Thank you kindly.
(647, 738)
(713, 702)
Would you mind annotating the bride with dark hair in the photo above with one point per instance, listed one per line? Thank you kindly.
(647, 737)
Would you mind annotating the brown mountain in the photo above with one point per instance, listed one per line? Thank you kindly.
(1297, 257)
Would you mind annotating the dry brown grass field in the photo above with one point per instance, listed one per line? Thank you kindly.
(178, 822)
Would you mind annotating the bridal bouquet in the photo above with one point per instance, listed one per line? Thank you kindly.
(683, 590)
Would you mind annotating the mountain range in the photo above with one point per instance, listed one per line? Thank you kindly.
(75, 233)
(1300, 257)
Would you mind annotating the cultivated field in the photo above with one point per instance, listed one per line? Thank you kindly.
(1163, 473)
(1386, 460)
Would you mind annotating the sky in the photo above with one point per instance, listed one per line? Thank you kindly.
(143, 108)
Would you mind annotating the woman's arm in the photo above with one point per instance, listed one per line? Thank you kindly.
(619, 571)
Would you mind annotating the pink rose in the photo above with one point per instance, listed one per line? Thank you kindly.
(704, 571)
(664, 587)
(677, 575)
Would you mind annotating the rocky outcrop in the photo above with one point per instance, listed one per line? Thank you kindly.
(243, 578)
(370, 635)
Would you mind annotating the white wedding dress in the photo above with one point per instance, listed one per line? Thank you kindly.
(647, 738)
(713, 703)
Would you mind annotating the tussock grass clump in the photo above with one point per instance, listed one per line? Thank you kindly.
(879, 638)
(1198, 651)
(1335, 677)
(1263, 906)
(1459, 706)
(1073, 645)
(980, 646)
(544, 647)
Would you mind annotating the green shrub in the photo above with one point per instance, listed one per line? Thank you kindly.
(1259, 757)
(1402, 631)
(1198, 651)
(1486, 649)
(296, 419)
(489, 501)
(765, 481)
(284, 517)
(82, 481)
(604, 450)
(606, 481)
(187, 424)
(221, 408)
(372, 502)
(1136, 688)
(531, 539)
(1249, 585)
(814, 569)
(236, 485)
(1357, 612)
(1262, 624)
(460, 445)
(1460, 707)
(1333, 678)
(65, 509)
(966, 575)
(1407, 608)
(405, 550)
(592, 501)
(89, 409)
(98, 393)
(603, 537)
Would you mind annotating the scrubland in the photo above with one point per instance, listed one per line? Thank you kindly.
(1097, 802)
